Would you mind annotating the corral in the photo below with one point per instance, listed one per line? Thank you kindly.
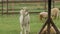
(9, 23)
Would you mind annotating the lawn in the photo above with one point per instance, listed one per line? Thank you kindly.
(9, 24)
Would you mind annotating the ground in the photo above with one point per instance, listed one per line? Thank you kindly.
(9, 24)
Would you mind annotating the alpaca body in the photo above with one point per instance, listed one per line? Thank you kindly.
(24, 22)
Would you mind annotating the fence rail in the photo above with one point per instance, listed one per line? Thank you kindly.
(17, 12)
(22, 1)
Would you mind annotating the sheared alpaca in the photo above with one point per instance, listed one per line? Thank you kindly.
(55, 13)
(43, 15)
(24, 21)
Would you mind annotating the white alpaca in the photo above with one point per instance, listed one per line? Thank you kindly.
(24, 21)
(55, 12)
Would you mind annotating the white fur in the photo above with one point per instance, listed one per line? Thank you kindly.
(24, 22)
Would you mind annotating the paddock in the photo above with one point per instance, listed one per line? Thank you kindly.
(9, 23)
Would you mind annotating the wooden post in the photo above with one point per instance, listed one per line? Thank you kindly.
(7, 7)
(49, 16)
(45, 5)
(2, 7)
(53, 3)
(13, 6)
(49, 9)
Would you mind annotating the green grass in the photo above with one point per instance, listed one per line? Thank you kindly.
(9, 24)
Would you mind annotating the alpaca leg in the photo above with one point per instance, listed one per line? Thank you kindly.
(41, 17)
(21, 32)
(28, 28)
(57, 16)
(24, 30)
(21, 29)
(28, 31)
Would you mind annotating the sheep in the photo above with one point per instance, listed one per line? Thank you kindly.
(24, 21)
(55, 13)
(43, 15)
(52, 30)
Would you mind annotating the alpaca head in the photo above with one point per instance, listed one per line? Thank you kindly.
(24, 8)
(23, 11)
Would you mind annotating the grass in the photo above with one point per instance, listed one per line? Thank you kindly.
(9, 24)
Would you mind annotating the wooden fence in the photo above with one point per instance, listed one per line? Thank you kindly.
(7, 2)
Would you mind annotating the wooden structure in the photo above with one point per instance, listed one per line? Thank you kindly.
(49, 21)
(2, 7)
(6, 1)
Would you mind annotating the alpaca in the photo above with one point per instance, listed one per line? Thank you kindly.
(24, 21)
(55, 13)
(43, 15)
